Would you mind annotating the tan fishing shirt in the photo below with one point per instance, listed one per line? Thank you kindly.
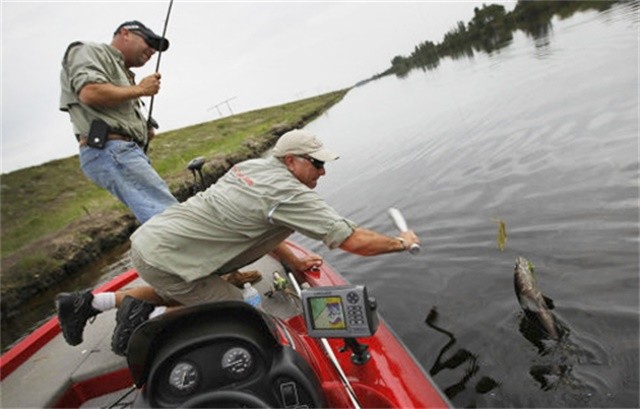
(91, 63)
(245, 215)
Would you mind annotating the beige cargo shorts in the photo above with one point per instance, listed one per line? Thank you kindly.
(173, 288)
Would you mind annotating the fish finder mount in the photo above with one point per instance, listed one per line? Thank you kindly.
(346, 312)
(359, 352)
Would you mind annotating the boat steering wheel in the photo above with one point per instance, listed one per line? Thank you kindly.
(225, 399)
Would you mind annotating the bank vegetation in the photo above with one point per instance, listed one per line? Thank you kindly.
(490, 30)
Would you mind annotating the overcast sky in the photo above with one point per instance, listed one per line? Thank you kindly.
(260, 53)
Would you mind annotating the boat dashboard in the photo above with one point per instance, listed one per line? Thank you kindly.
(219, 355)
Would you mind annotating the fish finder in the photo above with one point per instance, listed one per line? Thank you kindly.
(339, 312)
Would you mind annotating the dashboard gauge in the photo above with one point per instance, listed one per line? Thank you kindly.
(184, 378)
(237, 362)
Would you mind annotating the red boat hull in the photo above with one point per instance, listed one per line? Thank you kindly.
(390, 379)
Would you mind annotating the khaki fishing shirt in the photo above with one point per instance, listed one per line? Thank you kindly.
(246, 214)
(91, 63)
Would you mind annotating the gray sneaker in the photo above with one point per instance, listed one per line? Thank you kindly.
(74, 310)
(131, 314)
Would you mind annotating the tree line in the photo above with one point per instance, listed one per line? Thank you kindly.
(491, 29)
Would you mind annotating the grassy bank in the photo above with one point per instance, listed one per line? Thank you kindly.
(54, 220)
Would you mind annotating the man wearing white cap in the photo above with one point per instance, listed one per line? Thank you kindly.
(246, 214)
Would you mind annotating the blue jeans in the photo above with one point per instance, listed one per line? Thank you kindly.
(125, 171)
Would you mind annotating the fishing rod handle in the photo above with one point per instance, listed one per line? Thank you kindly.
(401, 224)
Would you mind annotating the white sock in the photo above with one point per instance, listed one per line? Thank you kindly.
(104, 301)
(157, 311)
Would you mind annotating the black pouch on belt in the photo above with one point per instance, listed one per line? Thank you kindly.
(98, 134)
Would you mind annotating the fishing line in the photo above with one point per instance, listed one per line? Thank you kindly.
(123, 404)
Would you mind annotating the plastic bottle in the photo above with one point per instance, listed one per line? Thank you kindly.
(251, 296)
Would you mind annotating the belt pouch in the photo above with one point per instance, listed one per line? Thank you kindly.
(98, 134)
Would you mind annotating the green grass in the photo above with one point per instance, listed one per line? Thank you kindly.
(41, 200)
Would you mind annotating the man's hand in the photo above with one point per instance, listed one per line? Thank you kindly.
(151, 133)
(150, 85)
(307, 263)
(298, 265)
(301, 265)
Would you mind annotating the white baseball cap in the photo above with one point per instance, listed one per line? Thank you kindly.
(299, 142)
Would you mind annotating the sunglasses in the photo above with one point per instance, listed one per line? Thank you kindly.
(318, 164)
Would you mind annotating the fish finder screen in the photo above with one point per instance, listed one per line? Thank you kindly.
(339, 312)
(327, 313)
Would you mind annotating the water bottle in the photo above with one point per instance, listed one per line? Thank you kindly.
(251, 296)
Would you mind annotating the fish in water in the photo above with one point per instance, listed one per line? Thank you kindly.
(535, 305)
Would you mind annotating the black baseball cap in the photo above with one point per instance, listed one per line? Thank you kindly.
(151, 38)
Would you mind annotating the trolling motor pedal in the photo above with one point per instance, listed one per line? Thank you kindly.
(195, 165)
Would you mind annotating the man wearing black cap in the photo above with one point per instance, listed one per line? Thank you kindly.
(103, 101)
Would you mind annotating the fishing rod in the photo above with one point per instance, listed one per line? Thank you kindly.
(152, 122)
(401, 224)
